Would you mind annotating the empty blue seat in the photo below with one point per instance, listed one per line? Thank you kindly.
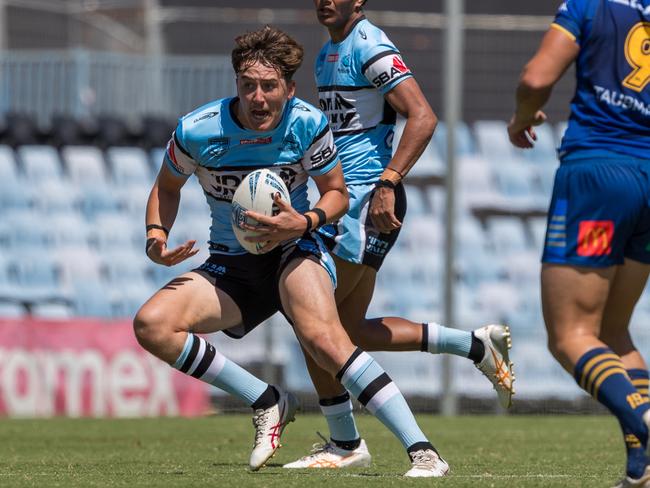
(129, 166)
(8, 165)
(40, 163)
(85, 165)
(57, 197)
(464, 141)
(97, 200)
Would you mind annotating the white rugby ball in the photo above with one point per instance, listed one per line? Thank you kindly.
(255, 193)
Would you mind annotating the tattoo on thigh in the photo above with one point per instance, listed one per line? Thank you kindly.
(176, 282)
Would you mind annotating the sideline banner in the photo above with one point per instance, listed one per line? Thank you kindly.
(88, 368)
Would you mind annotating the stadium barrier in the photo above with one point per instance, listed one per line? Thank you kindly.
(88, 368)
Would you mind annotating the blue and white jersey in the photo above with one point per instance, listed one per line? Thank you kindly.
(352, 77)
(610, 111)
(212, 144)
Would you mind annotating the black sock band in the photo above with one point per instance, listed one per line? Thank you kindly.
(337, 400)
(477, 349)
(267, 399)
(419, 446)
(347, 445)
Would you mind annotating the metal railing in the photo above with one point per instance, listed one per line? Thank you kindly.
(80, 82)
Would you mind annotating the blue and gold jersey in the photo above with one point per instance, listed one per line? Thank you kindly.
(352, 77)
(212, 144)
(610, 111)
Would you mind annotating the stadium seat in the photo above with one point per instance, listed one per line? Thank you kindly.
(515, 183)
(507, 235)
(40, 163)
(464, 141)
(98, 200)
(22, 129)
(430, 164)
(114, 231)
(537, 228)
(68, 230)
(133, 200)
(35, 276)
(545, 146)
(79, 267)
(67, 130)
(157, 131)
(129, 166)
(8, 165)
(57, 197)
(126, 267)
(492, 141)
(12, 310)
(24, 230)
(156, 157)
(415, 201)
(94, 299)
(16, 196)
(85, 165)
(52, 311)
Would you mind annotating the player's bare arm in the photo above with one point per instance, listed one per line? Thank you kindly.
(407, 100)
(289, 223)
(556, 53)
(162, 208)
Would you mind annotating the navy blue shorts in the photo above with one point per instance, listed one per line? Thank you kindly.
(599, 213)
(252, 280)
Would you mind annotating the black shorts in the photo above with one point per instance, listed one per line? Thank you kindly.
(252, 280)
(353, 238)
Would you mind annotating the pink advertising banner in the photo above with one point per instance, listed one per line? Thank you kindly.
(88, 368)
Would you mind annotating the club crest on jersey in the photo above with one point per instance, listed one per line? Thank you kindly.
(218, 146)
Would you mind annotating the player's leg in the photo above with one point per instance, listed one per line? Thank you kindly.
(308, 298)
(625, 291)
(574, 301)
(166, 326)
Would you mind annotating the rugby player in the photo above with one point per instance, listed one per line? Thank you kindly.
(596, 254)
(363, 83)
(264, 126)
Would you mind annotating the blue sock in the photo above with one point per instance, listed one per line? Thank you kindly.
(441, 339)
(340, 420)
(201, 360)
(636, 456)
(601, 373)
(370, 384)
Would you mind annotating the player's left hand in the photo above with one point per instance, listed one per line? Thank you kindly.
(286, 224)
(382, 210)
(521, 132)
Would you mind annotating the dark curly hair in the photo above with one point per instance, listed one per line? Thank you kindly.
(270, 47)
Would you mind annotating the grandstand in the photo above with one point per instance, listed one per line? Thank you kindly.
(78, 156)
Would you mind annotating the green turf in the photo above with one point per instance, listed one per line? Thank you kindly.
(483, 451)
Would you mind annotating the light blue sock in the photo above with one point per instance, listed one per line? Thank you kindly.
(443, 339)
(369, 383)
(201, 360)
(340, 419)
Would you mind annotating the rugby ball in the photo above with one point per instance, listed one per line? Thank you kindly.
(255, 193)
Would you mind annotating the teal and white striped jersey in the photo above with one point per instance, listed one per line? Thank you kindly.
(212, 144)
(352, 77)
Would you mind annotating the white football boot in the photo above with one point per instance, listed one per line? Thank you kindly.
(496, 364)
(269, 424)
(329, 455)
(643, 482)
(426, 463)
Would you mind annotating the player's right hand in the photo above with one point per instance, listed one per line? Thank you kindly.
(521, 132)
(158, 252)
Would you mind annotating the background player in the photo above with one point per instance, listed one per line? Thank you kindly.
(362, 83)
(596, 255)
(221, 142)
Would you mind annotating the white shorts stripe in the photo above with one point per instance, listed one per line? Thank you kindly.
(382, 396)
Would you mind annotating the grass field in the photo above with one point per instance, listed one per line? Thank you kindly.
(483, 451)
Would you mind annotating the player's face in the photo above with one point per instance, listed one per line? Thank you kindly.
(262, 93)
(337, 14)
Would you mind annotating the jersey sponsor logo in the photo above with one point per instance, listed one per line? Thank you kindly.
(208, 115)
(340, 111)
(222, 186)
(214, 269)
(595, 237)
(617, 99)
(332, 58)
(322, 156)
(257, 140)
(396, 69)
(218, 146)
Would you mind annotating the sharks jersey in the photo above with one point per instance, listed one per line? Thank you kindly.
(352, 77)
(610, 111)
(211, 143)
